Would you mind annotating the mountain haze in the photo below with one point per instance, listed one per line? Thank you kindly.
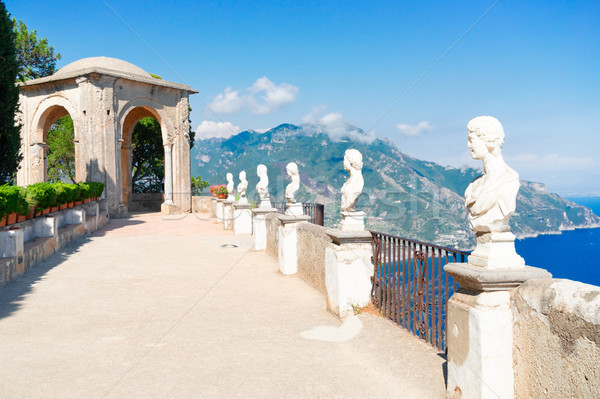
(402, 195)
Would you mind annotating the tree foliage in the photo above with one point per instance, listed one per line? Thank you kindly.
(191, 134)
(61, 150)
(10, 137)
(35, 57)
(148, 157)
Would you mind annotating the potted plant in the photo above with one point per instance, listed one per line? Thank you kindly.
(221, 191)
(13, 204)
(41, 196)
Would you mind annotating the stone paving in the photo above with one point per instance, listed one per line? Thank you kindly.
(175, 307)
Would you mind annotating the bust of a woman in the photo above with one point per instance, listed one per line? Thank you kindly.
(492, 197)
(352, 188)
(230, 187)
(242, 187)
(292, 188)
(263, 185)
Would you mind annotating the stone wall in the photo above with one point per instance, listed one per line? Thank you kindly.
(312, 242)
(273, 234)
(556, 339)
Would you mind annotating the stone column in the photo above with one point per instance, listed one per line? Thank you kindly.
(220, 210)
(168, 207)
(228, 214)
(480, 330)
(242, 219)
(348, 271)
(259, 226)
(288, 243)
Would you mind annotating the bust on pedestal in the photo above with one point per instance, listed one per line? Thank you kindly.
(228, 204)
(351, 191)
(259, 223)
(242, 216)
(293, 207)
(479, 325)
(348, 265)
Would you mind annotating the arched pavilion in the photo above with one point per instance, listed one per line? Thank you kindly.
(106, 97)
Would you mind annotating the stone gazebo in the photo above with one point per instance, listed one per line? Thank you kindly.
(106, 97)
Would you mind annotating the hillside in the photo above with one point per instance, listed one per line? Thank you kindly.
(402, 195)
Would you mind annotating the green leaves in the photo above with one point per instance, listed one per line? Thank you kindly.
(61, 150)
(198, 184)
(148, 157)
(35, 57)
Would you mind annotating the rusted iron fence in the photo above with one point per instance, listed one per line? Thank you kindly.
(410, 286)
(315, 211)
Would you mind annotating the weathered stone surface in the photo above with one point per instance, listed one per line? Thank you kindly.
(312, 241)
(556, 339)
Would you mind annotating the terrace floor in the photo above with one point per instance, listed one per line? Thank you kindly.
(157, 307)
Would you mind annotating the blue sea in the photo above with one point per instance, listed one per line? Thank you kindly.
(574, 255)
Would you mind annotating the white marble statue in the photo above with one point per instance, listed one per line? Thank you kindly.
(242, 187)
(262, 187)
(352, 188)
(230, 187)
(492, 197)
(292, 188)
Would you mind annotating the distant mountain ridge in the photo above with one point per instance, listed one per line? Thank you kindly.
(402, 195)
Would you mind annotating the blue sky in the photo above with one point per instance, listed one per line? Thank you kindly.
(533, 65)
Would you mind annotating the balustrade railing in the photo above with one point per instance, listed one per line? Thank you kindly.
(315, 211)
(410, 286)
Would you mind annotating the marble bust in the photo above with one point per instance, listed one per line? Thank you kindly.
(262, 187)
(292, 188)
(491, 198)
(230, 187)
(352, 188)
(242, 188)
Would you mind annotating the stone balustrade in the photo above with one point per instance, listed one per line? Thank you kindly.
(25, 244)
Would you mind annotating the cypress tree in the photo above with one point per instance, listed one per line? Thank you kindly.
(10, 137)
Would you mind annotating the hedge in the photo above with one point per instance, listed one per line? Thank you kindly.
(39, 196)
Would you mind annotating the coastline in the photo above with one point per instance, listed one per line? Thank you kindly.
(558, 232)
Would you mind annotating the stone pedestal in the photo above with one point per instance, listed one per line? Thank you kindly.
(228, 214)
(496, 251)
(288, 243)
(11, 246)
(168, 209)
(213, 207)
(480, 330)
(294, 209)
(352, 221)
(265, 204)
(242, 219)
(220, 210)
(259, 227)
(348, 271)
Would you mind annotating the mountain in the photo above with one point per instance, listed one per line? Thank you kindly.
(402, 195)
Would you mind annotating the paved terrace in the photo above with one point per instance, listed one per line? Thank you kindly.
(150, 307)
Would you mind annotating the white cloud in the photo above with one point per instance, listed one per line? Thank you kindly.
(334, 125)
(208, 129)
(413, 130)
(263, 97)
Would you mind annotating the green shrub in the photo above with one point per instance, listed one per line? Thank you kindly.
(12, 200)
(96, 189)
(41, 195)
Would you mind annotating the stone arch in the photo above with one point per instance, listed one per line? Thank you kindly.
(129, 116)
(47, 113)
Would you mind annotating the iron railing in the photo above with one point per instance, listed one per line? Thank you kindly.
(315, 211)
(410, 286)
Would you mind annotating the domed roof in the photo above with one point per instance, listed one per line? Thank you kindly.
(114, 64)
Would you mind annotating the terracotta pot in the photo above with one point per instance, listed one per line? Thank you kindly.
(21, 218)
(31, 214)
(38, 213)
(222, 196)
(53, 209)
(46, 211)
(63, 206)
(85, 201)
(77, 203)
(3, 222)
(11, 219)
(71, 204)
